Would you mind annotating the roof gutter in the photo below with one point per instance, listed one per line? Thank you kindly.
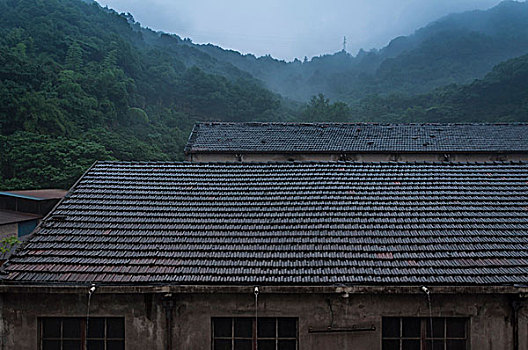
(215, 289)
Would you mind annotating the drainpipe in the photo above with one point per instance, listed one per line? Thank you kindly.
(2, 324)
(168, 304)
(515, 305)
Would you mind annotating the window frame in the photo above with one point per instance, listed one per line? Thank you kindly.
(83, 338)
(424, 338)
(277, 338)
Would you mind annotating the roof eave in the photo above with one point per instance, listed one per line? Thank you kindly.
(266, 289)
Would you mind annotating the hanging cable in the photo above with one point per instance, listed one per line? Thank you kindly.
(256, 292)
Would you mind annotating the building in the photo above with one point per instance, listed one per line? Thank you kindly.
(256, 142)
(21, 211)
(315, 255)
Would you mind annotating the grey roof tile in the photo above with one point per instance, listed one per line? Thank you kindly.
(285, 223)
(356, 137)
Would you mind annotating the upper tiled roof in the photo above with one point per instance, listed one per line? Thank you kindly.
(289, 137)
(285, 223)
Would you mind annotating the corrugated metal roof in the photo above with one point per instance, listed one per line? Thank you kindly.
(356, 137)
(12, 217)
(36, 194)
(285, 224)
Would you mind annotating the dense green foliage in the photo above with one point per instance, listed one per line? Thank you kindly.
(80, 83)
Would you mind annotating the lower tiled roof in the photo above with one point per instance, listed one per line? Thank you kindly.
(285, 223)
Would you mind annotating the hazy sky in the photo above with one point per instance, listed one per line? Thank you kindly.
(287, 29)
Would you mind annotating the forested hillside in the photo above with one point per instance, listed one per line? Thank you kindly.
(501, 96)
(80, 83)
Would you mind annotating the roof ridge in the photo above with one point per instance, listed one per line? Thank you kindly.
(314, 162)
(214, 123)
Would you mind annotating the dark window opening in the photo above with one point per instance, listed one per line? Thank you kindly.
(414, 333)
(70, 333)
(245, 333)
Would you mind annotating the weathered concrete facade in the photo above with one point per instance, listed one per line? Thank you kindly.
(359, 157)
(491, 316)
(8, 230)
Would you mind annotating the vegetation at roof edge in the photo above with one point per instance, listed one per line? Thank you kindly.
(80, 83)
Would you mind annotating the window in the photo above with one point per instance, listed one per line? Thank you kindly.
(69, 333)
(413, 333)
(238, 333)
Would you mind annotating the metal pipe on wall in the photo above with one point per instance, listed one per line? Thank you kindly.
(516, 306)
(168, 304)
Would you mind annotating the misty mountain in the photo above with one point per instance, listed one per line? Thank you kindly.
(455, 49)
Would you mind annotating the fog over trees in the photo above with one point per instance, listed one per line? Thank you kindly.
(81, 83)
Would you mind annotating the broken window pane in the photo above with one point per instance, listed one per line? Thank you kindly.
(410, 345)
(243, 345)
(71, 328)
(456, 345)
(222, 327)
(51, 327)
(51, 345)
(266, 327)
(411, 327)
(287, 344)
(438, 327)
(71, 345)
(391, 345)
(115, 327)
(115, 345)
(96, 345)
(434, 345)
(456, 328)
(266, 345)
(222, 344)
(391, 327)
(287, 327)
(96, 328)
(243, 327)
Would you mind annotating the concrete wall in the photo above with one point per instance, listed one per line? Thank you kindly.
(144, 317)
(8, 230)
(359, 157)
(490, 317)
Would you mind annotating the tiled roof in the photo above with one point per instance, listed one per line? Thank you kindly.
(290, 137)
(285, 224)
